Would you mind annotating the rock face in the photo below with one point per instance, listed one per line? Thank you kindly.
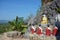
(45, 1)
(13, 34)
(50, 9)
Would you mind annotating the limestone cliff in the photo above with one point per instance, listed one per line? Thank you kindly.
(51, 9)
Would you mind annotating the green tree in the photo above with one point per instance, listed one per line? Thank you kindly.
(4, 28)
(17, 23)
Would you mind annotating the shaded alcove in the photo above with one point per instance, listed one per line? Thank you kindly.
(58, 34)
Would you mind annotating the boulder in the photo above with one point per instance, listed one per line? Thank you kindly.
(13, 34)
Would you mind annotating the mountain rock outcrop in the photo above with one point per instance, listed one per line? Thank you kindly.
(51, 9)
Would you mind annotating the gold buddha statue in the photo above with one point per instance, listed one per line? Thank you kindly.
(44, 19)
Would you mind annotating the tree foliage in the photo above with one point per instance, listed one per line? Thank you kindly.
(5, 28)
(17, 24)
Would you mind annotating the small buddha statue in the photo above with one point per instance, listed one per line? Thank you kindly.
(44, 19)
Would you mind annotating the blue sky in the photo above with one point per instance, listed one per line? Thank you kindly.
(9, 9)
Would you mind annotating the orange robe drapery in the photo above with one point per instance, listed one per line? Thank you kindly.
(48, 31)
(32, 30)
(55, 30)
(39, 31)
